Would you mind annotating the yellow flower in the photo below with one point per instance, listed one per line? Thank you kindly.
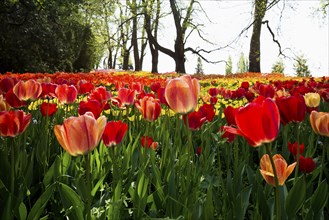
(312, 99)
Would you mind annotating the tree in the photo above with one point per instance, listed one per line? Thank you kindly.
(260, 8)
(184, 26)
(151, 25)
(44, 36)
(301, 68)
(242, 64)
(105, 25)
(228, 67)
(278, 66)
(199, 68)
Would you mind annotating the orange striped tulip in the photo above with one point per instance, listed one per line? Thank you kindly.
(80, 135)
(28, 90)
(149, 107)
(282, 169)
(13, 123)
(66, 94)
(182, 94)
(320, 122)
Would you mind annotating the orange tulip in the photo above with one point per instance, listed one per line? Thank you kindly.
(282, 169)
(13, 123)
(182, 94)
(27, 90)
(80, 135)
(320, 122)
(149, 107)
(66, 94)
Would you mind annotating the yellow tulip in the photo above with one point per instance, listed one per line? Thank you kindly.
(312, 99)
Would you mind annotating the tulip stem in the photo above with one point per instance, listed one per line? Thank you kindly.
(298, 155)
(277, 189)
(87, 208)
(322, 164)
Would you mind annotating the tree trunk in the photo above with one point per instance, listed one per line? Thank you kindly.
(179, 55)
(155, 58)
(254, 52)
(134, 40)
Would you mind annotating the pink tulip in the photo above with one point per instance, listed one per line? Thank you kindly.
(80, 135)
(182, 94)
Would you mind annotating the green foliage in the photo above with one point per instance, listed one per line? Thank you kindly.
(242, 64)
(45, 36)
(228, 66)
(278, 66)
(301, 67)
(199, 68)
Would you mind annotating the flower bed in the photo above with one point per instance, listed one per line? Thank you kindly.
(107, 145)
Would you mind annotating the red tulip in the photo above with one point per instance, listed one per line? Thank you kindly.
(13, 123)
(114, 133)
(28, 90)
(258, 122)
(48, 109)
(66, 94)
(195, 120)
(80, 135)
(213, 100)
(155, 86)
(250, 96)
(161, 96)
(90, 106)
(85, 87)
(227, 135)
(208, 111)
(149, 107)
(306, 165)
(13, 101)
(48, 90)
(213, 92)
(147, 141)
(230, 113)
(101, 95)
(7, 84)
(292, 108)
(182, 94)
(126, 96)
(245, 85)
(199, 151)
(266, 90)
(293, 148)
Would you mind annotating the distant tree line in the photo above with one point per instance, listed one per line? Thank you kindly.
(45, 36)
(75, 35)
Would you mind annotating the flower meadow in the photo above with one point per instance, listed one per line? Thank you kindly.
(125, 145)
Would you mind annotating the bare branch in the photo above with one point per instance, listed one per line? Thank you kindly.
(199, 51)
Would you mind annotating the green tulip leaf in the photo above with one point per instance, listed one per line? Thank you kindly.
(296, 197)
(41, 203)
(71, 201)
(320, 197)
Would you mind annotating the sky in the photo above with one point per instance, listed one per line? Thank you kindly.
(299, 29)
